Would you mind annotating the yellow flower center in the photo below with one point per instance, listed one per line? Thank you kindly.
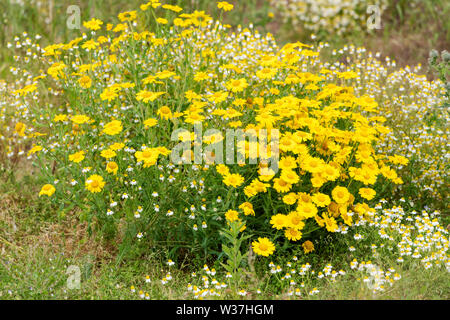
(146, 154)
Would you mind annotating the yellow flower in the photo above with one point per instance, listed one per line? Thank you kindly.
(232, 215)
(109, 94)
(162, 20)
(225, 6)
(340, 195)
(148, 156)
(348, 75)
(80, 119)
(281, 186)
(27, 89)
(108, 153)
(293, 234)
(47, 190)
(77, 157)
(295, 220)
(247, 207)
(266, 73)
(56, 70)
(398, 160)
(90, 44)
(303, 197)
(234, 180)
(172, 8)
(307, 210)
(328, 222)
(308, 246)
(150, 122)
(60, 118)
(112, 128)
(191, 95)
(127, 16)
(20, 128)
(93, 24)
(287, 163)
(222, 169)
(313, 165)
(165, 74)
(290, 176)
(112, 167)
(120, 27)
(147, 96)
(85, 82)
(200, 76)
(194, 117)
(278, 221)
(321, 199)
(34, 150)
(95, 183)
(290, 198)
(330, 172)
(367, 193)
(117, 146)
(237, 85)
(164, 112)
(163, 150)
(263, 247)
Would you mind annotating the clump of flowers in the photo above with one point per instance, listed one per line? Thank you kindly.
(129, 95)
(413, 108)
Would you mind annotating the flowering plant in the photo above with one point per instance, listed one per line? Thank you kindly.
(114, 109)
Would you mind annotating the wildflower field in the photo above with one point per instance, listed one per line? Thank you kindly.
(277, 149)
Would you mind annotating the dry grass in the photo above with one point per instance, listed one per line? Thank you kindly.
(21, 231)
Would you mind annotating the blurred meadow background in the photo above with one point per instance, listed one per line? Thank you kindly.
(409, 29)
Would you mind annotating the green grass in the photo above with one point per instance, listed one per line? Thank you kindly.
(37, 274)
